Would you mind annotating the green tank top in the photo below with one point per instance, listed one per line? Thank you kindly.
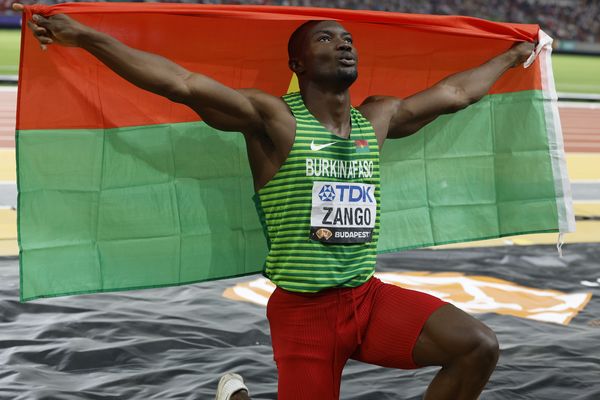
(320, 211)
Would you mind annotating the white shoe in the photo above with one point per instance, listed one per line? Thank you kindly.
(228, 385)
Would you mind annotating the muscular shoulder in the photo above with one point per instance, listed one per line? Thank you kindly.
(278, 124)
(380, 110)
(378, 106)
(267, 105)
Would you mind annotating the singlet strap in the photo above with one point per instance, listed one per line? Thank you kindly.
(296, 104)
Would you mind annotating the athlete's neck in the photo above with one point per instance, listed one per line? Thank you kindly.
(331, 109)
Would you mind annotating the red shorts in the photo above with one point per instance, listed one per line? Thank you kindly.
(314, 335)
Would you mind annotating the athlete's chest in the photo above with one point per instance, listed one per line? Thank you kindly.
(340, 177)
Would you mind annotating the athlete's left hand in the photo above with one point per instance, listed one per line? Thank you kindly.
(521, 51)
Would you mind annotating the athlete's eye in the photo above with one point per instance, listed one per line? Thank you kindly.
(324, 38)
(348, 40)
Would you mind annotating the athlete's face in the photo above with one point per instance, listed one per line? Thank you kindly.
(328, 55)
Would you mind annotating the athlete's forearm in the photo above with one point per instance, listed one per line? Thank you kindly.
(148, 71)
(471, 85)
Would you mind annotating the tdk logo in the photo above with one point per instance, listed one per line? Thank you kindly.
(346, 193)
(327, 193)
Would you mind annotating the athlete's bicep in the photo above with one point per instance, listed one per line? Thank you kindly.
(416, 111)
(222, 121)
(392, 117)
(229, 109)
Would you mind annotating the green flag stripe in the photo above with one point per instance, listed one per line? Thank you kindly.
(149, 206)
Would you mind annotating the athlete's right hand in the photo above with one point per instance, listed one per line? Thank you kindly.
(59, 29)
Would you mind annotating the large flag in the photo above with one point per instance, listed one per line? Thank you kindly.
(122, 189)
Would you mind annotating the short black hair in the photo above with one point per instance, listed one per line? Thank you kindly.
(297, 37)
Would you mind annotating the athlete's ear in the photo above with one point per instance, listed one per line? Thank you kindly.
(296, 66)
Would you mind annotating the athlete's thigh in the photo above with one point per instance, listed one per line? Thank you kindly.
(302, 378)
(450, 333)
(303, 335)
(396, 319)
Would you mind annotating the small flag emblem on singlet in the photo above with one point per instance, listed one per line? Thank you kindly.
(362, 146)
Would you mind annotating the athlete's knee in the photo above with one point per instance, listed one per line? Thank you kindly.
(485, 349)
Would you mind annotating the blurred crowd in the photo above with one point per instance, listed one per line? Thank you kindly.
(563, 19)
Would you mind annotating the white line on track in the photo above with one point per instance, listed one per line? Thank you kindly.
(579, 104)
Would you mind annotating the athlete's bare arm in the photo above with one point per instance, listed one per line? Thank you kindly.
(265, 120)
(395, 118)
(154, 73)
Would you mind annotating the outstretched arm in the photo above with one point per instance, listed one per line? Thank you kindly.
(220, 106)
(404, 117)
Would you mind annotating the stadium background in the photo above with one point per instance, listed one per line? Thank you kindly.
(175, 342)
(574, 24)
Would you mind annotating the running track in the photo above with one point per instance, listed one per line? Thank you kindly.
(580, 122)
